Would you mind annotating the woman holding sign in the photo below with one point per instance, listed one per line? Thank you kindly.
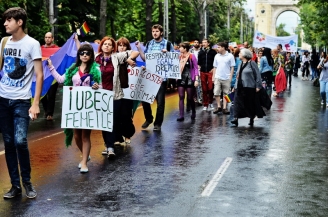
(110, 62)
(127, 106)
(85, 72)
(188, 81)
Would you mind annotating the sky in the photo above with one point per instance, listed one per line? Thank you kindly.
(289, 18)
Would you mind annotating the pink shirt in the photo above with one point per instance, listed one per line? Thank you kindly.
(76, 79)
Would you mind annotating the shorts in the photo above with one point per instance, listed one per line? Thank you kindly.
(221, 86)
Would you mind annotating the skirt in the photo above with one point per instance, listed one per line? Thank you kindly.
(247, 103)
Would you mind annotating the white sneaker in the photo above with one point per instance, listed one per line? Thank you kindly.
(110, 153)
(303, 79)
(104, 152)
(205, 108)
(211, 107)
(322, 103)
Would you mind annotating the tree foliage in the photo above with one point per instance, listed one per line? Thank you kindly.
(314, 21)
(132, 19)
(280, 30)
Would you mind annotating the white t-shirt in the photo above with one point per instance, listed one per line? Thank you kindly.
(18, 68)
(223, 64)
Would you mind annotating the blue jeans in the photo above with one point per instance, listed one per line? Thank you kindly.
(160, 98)
(324, 90)
(15, 119)
(314, 72)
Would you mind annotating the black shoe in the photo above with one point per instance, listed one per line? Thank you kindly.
(180, 119)
(235, 121)
(251, 122)
(217, 110)
(30, 191)
(157, 128)
(225, 111)
(145, 125)
(13, 192)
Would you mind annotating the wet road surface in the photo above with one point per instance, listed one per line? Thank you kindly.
(195, 168)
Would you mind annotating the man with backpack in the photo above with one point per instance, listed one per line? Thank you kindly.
(157, 44)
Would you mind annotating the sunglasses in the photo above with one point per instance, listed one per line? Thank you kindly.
(82, 53)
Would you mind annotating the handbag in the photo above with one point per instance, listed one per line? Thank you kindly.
(316, 82)
(124, 75)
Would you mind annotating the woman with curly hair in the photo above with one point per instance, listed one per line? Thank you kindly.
(85, 72)
(110, 62)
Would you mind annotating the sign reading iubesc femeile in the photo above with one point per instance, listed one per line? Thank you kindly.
(165, 64)
(86, 108)
(143, 85)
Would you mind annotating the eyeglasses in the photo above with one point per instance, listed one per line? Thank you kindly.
(82, 53)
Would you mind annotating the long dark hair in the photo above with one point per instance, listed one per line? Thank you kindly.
(267, 54)
(88, 48)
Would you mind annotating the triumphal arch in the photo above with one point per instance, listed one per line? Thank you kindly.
(267, 12)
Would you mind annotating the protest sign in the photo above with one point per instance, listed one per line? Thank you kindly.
(165, 64)
(289, 43)
(85, 108)
(143, 85)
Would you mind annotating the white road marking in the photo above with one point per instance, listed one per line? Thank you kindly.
(3, 152)
(216, 178)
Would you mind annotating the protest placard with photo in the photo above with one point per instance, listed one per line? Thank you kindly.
(85, 108)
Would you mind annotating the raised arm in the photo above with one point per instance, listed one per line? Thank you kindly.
(59, 78)
(141, 52)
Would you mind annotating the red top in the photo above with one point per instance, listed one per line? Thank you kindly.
(254, 58)
(107, 72)
(51, 46)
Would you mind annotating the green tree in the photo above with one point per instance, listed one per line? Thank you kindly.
(280, 31)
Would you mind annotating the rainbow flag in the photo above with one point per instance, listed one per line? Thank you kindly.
(84, 30)
(229, 97)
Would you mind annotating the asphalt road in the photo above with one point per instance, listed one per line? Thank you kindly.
(204, 167)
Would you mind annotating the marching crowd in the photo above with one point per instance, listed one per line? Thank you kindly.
(247, 75)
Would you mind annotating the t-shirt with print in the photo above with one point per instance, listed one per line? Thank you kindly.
(18, 67)
(223, 64)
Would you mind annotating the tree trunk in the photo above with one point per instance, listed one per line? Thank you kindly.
(161, 13)
(201, 16)
(112, 28)
(149, 11)
(174, 22)
(103, 18)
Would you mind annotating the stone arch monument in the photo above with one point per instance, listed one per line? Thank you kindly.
(267, 12)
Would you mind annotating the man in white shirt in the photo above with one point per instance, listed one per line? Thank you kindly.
(223, 64)
(22, 60)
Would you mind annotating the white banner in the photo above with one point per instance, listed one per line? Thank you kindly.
(289, 43)
(165, 64)
(143, 85)
(85, 108)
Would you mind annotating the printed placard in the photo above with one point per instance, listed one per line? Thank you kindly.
(165, 64)
(86, 108)
(143, 85)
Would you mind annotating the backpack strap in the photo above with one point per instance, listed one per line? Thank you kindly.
(168, 46)
(4, 42)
